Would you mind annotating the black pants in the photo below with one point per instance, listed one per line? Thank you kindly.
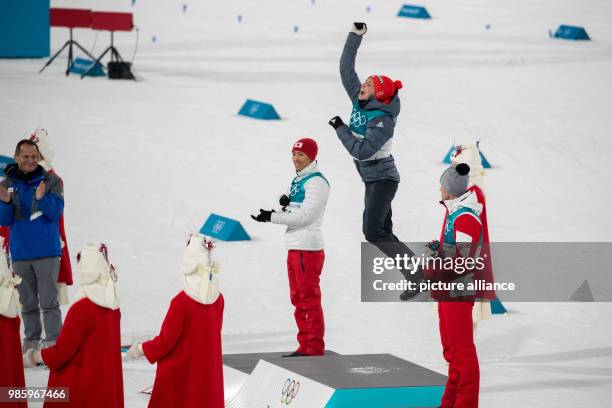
(377, 222)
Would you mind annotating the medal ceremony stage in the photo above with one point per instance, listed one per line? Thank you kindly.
(267, 380)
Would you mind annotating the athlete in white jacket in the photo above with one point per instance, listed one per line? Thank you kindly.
(303, 211)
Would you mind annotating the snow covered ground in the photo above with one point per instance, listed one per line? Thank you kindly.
(144, 163)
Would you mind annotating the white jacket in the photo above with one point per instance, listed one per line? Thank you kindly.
(304, 220)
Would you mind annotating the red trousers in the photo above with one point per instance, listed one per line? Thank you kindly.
(304, 269)
(457, 336)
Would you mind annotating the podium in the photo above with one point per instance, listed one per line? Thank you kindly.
(333, 381)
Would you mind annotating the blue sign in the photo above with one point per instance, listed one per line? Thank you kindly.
(411, 11)
(258, 110)
(4, 161)
(225, 229)
(81, 65)
(567, 32)
(24, 28)
(497, 307)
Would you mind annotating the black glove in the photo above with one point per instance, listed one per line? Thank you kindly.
(359, 28)
(434, 245)
(284, 200)
(264, 216)
(336, 122)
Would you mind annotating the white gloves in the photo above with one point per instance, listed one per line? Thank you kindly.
(135, 351)
(359, 28)
(32, 358)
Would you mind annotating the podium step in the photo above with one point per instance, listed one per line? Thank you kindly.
(334, 381)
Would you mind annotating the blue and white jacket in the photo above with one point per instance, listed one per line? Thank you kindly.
(303, 217)
(33, 224)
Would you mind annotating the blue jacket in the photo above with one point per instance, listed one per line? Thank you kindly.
(33, 224)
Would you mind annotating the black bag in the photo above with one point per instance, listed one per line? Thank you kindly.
(120, 70)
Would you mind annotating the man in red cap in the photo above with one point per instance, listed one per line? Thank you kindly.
(303, 208)
(368, 138)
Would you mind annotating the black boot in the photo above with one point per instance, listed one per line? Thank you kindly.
(417, 278)
(409, 294)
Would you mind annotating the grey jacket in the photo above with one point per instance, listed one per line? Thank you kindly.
(371, 152)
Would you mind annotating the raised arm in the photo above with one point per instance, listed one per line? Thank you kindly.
(349, 77)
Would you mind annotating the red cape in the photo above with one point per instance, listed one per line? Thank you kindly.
(11, 373)
(188, 356)
(487, 275)
(87, 357)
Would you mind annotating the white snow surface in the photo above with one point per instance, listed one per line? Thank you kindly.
(145, 162)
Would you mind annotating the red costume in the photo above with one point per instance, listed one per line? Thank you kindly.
(87, 357)
(456, 328)
(11, 373)
(485, 251)
(188, 355)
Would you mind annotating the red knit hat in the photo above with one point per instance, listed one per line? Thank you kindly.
(307, 146)
(385, 88)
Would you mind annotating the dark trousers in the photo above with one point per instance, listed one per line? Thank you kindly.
(377, 222)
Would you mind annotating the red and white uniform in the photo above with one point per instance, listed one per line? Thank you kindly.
(470, 154)
(87, 355)
(188, 355)
(461, 236)
(188, 349)
(308, 195)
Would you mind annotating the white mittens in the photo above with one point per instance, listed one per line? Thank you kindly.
(135, 351)
(359, 28)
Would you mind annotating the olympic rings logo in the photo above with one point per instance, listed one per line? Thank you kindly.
(290, 391)
(295, 188)
(357, 118)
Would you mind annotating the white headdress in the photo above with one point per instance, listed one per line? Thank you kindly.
(470, 154)
(96, 276)
(199, 271)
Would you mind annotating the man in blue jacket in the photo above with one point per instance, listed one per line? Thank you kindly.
(31, 203)
(368, 138)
